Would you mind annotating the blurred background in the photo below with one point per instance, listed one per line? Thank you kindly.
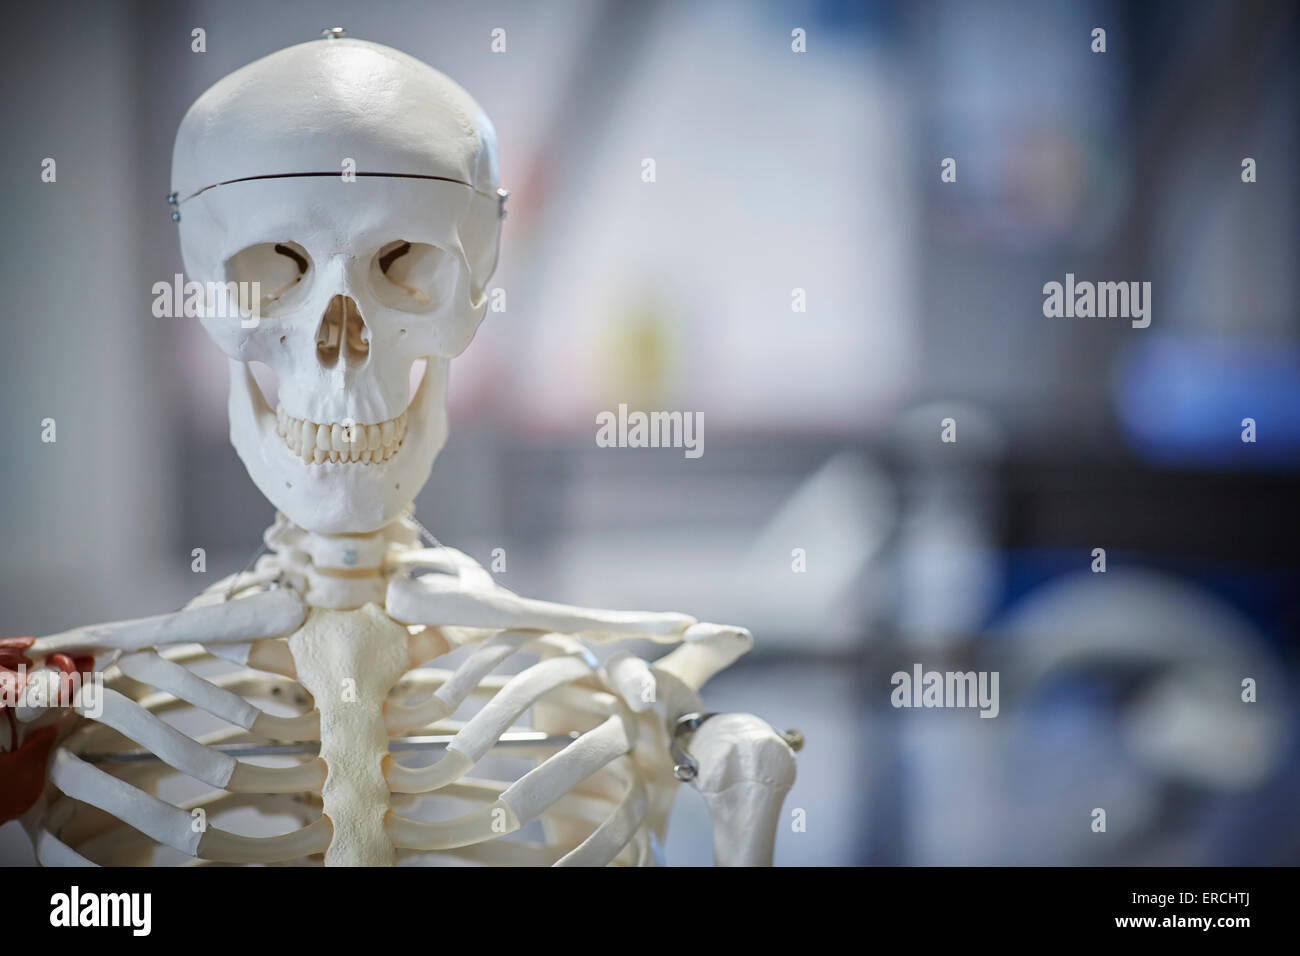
(775, 171)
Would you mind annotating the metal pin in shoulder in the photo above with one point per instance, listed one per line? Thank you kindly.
(684, 765)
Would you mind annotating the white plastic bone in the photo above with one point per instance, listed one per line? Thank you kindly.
(149, 668)
(362, 282)
(613, 830)
(437, 601)
(300, 110)
(608, 839)
(172, 746)
(186, 686)
(746, 768)
(633, 678)
(483, 730)
(203, 763)
(459, 685)
(349, 662)
(162, 821)
(50, 851)
(269, 614)
(539, 788)
(523, 800)
(710, 648)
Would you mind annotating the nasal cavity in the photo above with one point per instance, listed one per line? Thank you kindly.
(342, 330)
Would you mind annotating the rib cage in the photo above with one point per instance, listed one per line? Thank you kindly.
(600, 799)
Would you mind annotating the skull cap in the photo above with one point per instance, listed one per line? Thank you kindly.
(308, 108)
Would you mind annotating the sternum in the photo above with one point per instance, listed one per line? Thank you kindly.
(348, 661)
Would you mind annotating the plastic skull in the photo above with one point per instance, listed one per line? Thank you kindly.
(358, 188)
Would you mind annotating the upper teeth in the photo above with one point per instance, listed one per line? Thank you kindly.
(340, 442)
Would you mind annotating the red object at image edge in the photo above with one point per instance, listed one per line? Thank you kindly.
(22, 770)
(23, 773)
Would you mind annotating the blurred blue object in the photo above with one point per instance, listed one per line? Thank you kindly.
(1182, 401)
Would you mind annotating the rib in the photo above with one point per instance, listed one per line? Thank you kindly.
(483, 729)
(444, 701)
(608, 840)
(198, 761)
(520, 802)
(147, 667)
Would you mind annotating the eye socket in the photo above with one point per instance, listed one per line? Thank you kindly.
(411, 276)
(279, 268)
(290, 251)
(396, 251)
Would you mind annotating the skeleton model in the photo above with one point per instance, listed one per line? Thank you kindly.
(302, 690)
